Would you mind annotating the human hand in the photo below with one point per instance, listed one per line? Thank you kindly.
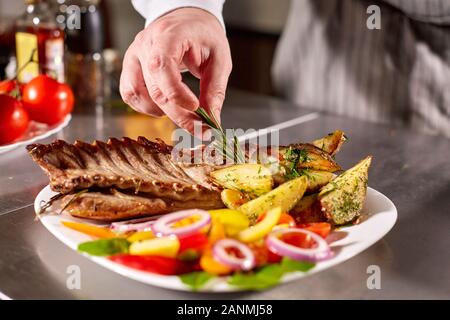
(186, 38)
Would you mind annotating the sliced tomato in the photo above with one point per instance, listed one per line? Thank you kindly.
(263, 255)
(260, 252)
(197, 242)
(285, 218)
(154, 264)
(273, 257)
(323, 229)
(299, 240)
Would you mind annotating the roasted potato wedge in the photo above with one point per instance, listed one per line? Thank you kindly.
(233, 199)
(305, 203)
(284, 196)
(331, 143)
(250, 178)
(317, 179)
(305, 156)
(308, 210)
(343, 198)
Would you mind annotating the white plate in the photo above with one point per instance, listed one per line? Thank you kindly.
(36, 131)
(379, 216)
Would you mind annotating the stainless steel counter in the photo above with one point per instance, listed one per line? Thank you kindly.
(410, 168)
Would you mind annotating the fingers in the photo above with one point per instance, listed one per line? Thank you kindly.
(133, 89)
(193, 58)
(213, 82)
(162, 68)
(164, 82)
(180, 116)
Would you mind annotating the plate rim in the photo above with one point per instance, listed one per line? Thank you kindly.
(218, 285)
(46, 134)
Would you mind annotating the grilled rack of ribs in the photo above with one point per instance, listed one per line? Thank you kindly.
(126, 178)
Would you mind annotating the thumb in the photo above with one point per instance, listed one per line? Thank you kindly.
(213, 82)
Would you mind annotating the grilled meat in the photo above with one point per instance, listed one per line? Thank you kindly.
(131, 178)
(134, 165)
(112, 205)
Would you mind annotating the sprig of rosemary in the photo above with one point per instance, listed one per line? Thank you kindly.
(236, 155)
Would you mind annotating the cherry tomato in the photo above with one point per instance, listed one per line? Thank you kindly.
(46, 100)
(263, 255)
(321, 228)
(273, 257)
(154, 264)
(299, 240)
(6, 86)
(11, 87)
(13, 119)
(284, 219)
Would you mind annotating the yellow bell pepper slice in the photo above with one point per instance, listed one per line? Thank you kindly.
(210, 265)
(99, 232)
(164, 247)
(217, 231)
(262, 228)
(233, 221)
(233, 199)
(140, 236)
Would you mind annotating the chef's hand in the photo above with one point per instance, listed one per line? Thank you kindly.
(186, 38)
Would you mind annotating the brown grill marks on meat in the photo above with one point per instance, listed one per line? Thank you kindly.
(130, 165)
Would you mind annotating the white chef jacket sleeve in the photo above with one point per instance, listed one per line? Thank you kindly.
(153, 9)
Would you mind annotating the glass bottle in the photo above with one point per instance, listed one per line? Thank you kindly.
(37, 33)
(85, 61)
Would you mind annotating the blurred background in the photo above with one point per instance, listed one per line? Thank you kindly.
(330, 59)
(253, 28)
(89, 59)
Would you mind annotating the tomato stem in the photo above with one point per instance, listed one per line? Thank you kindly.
(30, 60)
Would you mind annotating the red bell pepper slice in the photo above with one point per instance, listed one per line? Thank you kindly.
(155, 264)
(197, 242)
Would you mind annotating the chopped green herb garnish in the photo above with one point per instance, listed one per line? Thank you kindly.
(293, 158)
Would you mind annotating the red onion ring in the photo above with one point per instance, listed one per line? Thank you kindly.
(320, 252)
(141, 224)
(220, 253)
(162, 226)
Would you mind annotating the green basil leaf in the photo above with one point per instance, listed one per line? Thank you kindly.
(263, 278)
(290, 265)
(105, 247)
(268, 275)
(196, 279)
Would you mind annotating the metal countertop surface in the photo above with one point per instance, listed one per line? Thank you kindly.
(412, 169)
